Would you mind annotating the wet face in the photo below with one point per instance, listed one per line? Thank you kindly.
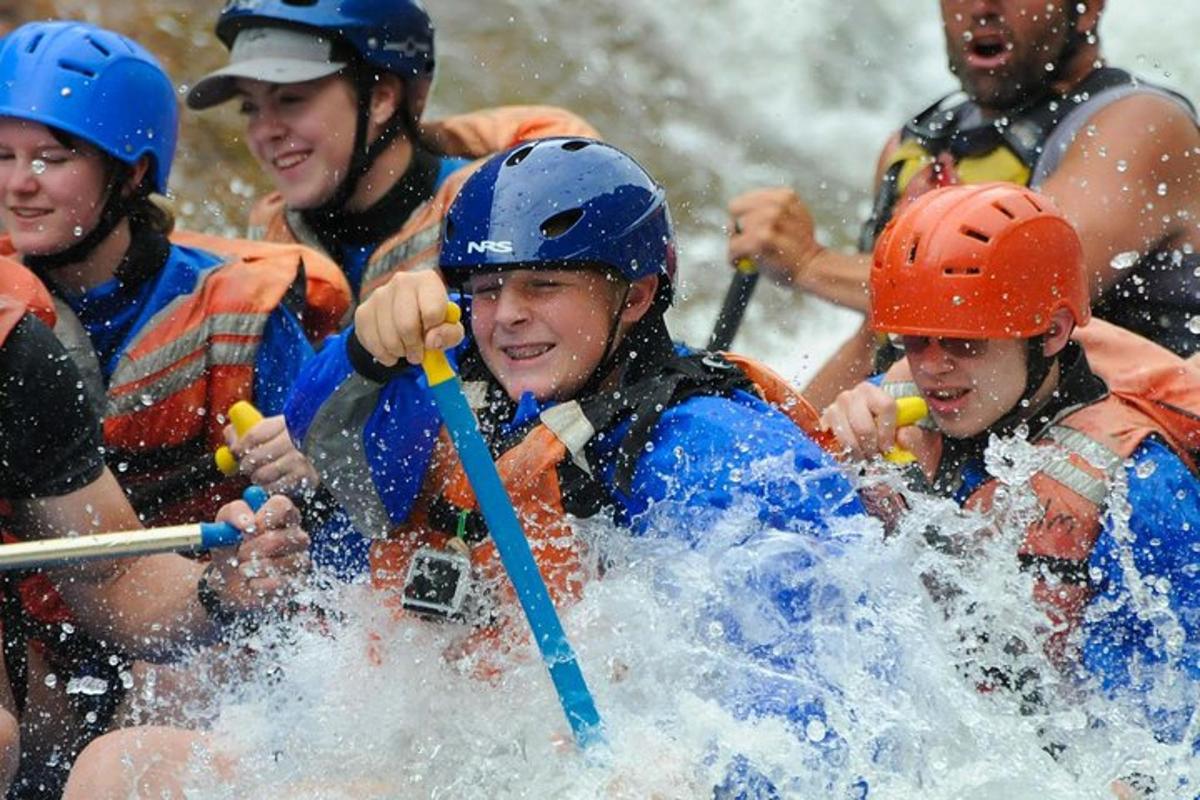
(969, 384)
(52, 193)
(301, 134)
(999, 49)
(543, 331)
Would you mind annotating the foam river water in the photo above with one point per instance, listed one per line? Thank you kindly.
(715, 96)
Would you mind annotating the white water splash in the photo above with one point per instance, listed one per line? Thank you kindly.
(896, 672)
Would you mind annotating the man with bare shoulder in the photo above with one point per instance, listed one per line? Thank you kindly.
(1038, 107)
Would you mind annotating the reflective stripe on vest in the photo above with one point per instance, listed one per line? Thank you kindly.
(177, 377)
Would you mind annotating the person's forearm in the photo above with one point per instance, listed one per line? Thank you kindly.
(838, 277)
(148, 606)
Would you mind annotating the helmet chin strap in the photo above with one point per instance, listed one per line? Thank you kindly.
(1037, 368)
(363, 156)
(116, 208)
(604, 366)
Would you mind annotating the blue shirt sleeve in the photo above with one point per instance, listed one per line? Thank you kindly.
(710, 454)
(283, 352)
(1143, 626)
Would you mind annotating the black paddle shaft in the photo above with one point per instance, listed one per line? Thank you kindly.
(733, 309)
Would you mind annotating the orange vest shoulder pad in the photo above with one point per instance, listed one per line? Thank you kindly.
(787, 398)
(26, 290)
(327, 297)
(481, 133)
(1161, 385)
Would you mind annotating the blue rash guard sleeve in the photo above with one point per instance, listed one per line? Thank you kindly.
(282, 353)
(712, 455)
(709, 454)
(1127, 646)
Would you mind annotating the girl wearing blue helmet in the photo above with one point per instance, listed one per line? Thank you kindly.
(167, 326)
(333, 92)
(170, 328)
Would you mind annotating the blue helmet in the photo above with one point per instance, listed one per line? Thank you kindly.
(559, 203)
(95, 84)
(394, 35)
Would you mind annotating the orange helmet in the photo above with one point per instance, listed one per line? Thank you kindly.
(986, 261)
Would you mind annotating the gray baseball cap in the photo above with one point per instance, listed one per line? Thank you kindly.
(271, 54)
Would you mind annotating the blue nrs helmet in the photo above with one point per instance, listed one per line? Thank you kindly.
(394, 35)
(559, 203)
(95, 84)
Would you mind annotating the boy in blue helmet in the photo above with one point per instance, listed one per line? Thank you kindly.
(564, 251)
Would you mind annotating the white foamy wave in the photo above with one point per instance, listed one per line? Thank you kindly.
(684, 647)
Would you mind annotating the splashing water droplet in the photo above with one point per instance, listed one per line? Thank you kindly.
(65, 91)
(37, 166)
(1145, 469)
(1193, 325)
(78, 231)
(1122, 166)
(51, 680)
(1124, 260)
(87, 684)
(1162, 190)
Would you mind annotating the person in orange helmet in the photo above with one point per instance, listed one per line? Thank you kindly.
(984, 289)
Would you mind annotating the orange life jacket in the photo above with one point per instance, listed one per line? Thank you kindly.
(548, 477)
(1152, 392)
(415, 245)
(167, 397)
(327, 296)
(178, 376)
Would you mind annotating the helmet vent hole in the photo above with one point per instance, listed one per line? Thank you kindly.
(1032, 202)
(449, 230)
(104, 51)
(912, 250)
(34, 42)
(962, 271)
(75, 66)
(978, 236)
(561, 222)
(518, 157)
(577, 144)
(1003, 210)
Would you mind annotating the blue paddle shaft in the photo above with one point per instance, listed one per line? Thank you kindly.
(513, 548)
